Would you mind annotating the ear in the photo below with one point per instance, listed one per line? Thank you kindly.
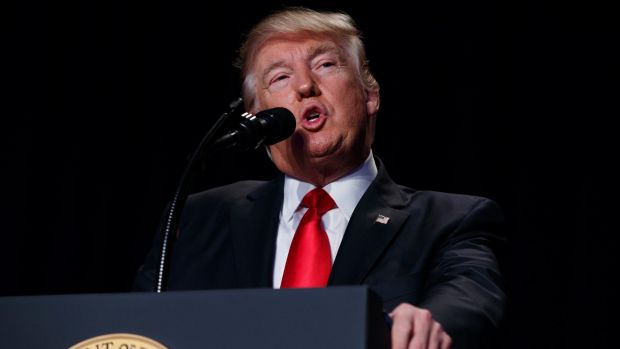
(373, 100)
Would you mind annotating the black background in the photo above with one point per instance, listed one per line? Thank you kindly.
(103, 102)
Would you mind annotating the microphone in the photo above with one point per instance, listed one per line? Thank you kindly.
(267, 127)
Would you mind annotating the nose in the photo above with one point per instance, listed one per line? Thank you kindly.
(307, 86)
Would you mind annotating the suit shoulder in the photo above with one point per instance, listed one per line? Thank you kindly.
(443, 198)
(443, 203)
(224, 195)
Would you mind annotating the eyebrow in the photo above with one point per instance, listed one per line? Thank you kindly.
(323, 48)
(271, 67)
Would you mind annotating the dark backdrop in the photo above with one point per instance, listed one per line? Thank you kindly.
(513, 100)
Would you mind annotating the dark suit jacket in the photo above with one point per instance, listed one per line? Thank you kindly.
(436, 251)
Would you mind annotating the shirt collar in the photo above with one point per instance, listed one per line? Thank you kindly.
(346, 191)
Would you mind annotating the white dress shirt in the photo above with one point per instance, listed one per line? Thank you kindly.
(346, 192)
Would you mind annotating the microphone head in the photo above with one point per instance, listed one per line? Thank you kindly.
(278, 124)
(265, 128)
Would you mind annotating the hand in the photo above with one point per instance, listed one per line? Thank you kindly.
(414, 328)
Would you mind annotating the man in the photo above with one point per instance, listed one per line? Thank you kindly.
(429, 255)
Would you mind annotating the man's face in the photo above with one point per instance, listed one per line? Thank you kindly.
(318, 82)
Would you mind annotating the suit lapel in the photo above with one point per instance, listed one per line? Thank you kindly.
(254, 224)
(369, 233)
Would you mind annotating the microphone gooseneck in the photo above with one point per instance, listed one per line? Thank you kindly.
(265, 128)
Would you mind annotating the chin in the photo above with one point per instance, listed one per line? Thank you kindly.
(318, 155)
(321, 147)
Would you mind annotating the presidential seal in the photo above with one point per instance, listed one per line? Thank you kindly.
(119, 341)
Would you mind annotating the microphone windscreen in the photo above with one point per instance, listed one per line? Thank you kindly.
(278, 124)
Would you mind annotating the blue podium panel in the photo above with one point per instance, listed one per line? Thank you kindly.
(333, 317)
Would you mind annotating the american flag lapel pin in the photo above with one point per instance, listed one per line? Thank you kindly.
(382, 219)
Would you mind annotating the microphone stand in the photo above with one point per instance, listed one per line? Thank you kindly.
(178, 200)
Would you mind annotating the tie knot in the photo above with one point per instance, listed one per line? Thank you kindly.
(318, 199)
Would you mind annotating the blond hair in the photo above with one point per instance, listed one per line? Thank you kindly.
(295, 20)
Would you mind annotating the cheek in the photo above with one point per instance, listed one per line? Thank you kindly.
(266, 99)
(351, 92)
(354, 101)
(279, 149)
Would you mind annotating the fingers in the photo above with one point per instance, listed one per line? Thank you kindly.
(402, 329)
(414, 328)
(422, 325)
(439, 338)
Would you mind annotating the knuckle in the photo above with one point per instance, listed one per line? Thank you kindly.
(438, 327)
(402, 309)
(425, 314)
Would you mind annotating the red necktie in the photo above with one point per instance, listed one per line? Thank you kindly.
(309, 260)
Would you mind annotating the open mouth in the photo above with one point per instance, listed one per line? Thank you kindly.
(313, 116)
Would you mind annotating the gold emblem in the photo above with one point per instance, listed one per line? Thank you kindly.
(119, 341)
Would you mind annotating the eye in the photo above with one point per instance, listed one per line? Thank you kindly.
(278, 79)
(325, 65)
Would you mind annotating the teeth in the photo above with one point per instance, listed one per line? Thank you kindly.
(313, 116)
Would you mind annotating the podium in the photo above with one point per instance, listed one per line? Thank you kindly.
(333, 317)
